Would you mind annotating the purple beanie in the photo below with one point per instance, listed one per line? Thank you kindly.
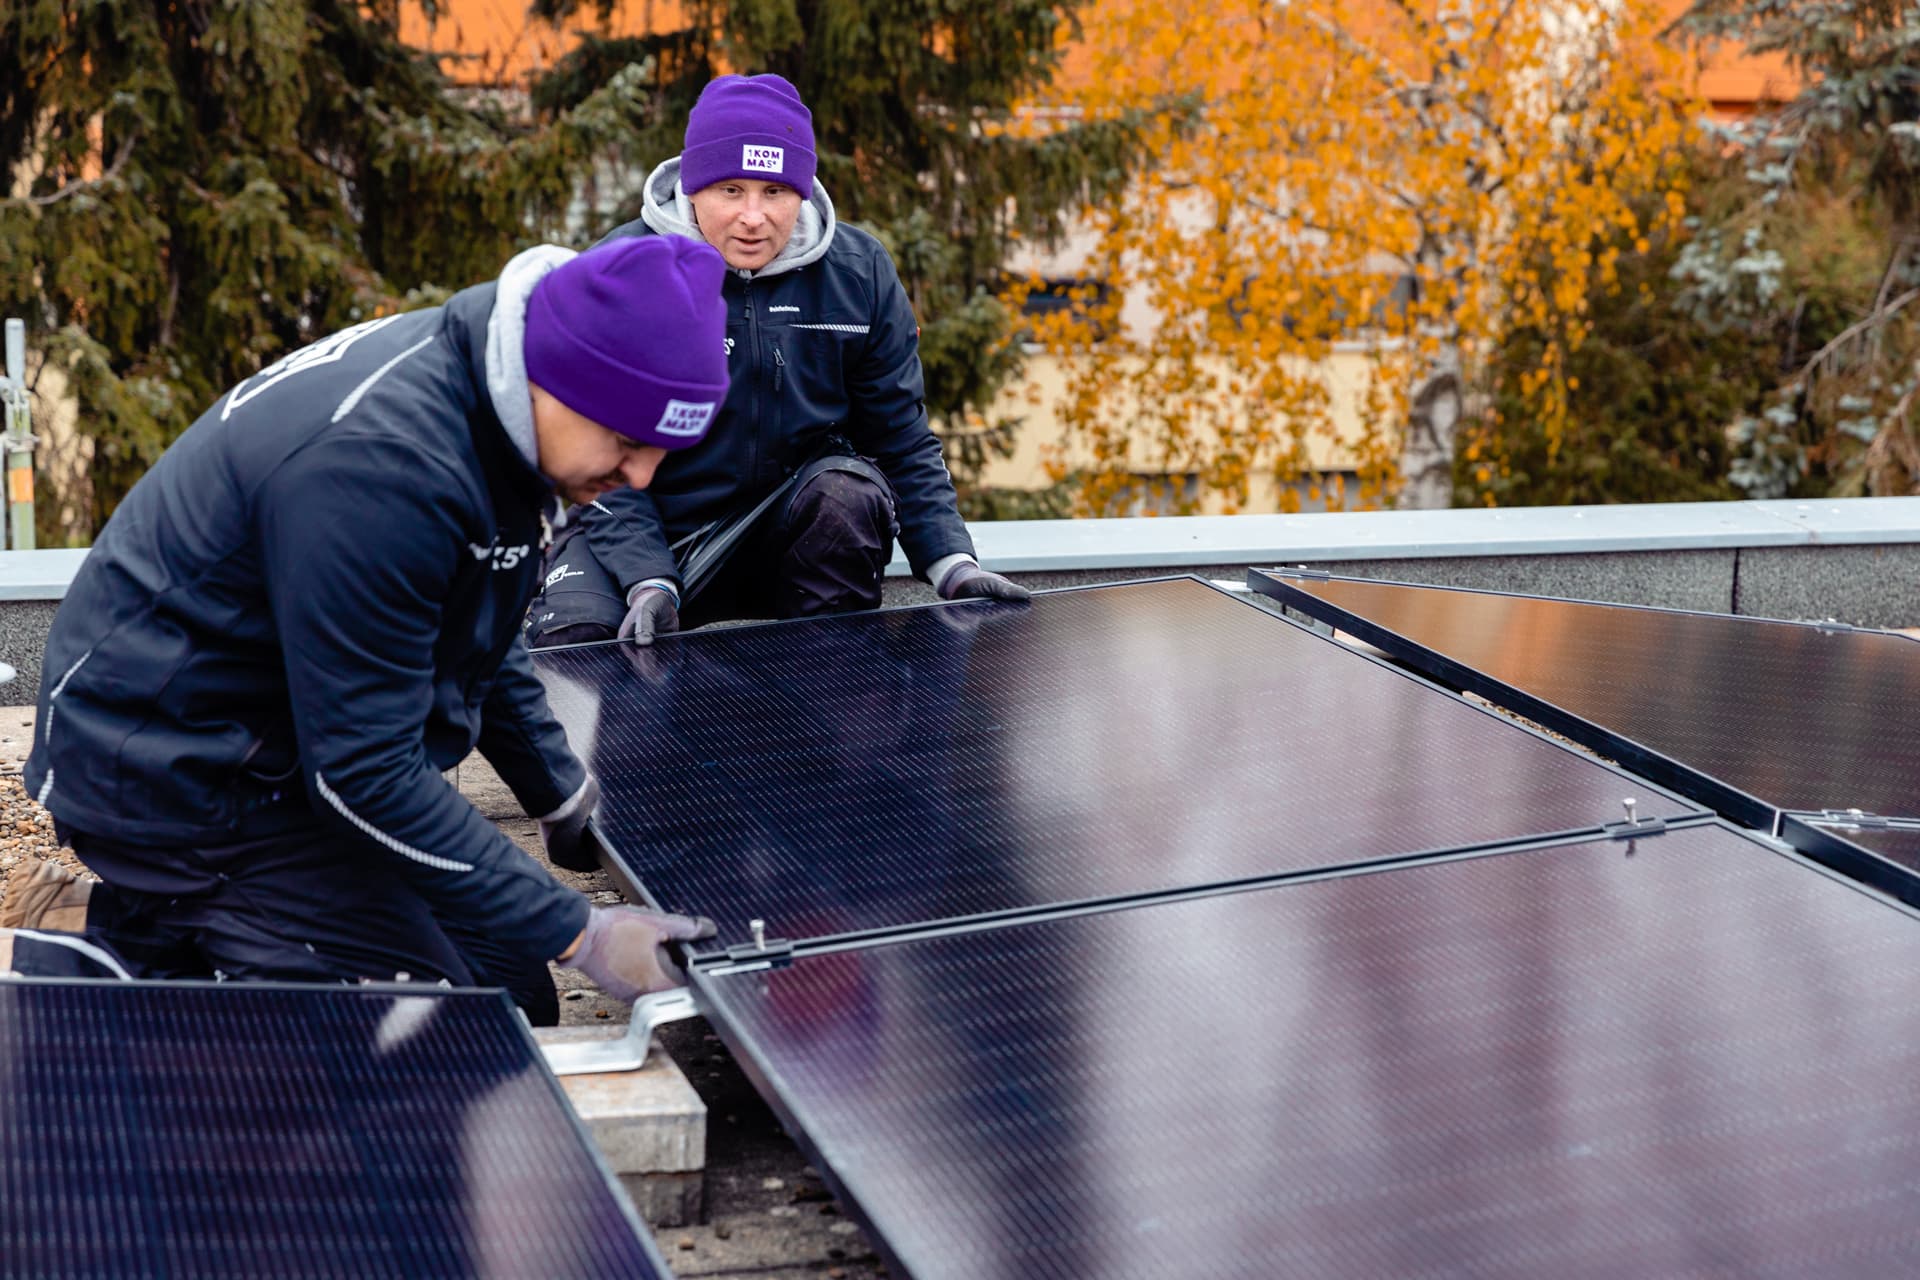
(632, 334)
(748, 127)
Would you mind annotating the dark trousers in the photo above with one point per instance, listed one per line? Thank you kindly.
(307, 906)
(819, 550)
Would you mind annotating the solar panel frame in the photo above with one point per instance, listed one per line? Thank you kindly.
(634, 882)
(201, 1180)
(710, 977)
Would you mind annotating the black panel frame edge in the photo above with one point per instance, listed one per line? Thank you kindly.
(1699, 787)
(649, 1247)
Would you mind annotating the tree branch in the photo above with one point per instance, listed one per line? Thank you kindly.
(1854, 330)
(113, 170)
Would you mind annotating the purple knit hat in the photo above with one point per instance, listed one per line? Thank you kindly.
(632, 334)
(748, 127)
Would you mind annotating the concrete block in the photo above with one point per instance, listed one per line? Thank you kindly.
(649, 1124)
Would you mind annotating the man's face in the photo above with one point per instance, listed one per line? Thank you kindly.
(747, 220)
(583, 459)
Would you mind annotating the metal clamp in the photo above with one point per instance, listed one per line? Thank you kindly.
(1634, 826)
(772, 951)
(1851, 818)
(1860, 820)
(629, 1052)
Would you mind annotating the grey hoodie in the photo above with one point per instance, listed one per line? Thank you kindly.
(668, 211)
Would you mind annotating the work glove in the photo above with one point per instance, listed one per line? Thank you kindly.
(563, 833)
(624, 949)
(966, 581)
(650, 613)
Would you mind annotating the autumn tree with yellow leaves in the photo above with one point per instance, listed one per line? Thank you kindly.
(1410, 179)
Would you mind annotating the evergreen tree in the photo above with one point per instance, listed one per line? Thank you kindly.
(916, 112)
(200, 187)
(1822, 257)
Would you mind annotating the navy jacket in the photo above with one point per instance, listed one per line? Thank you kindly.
(308, 609)
(829, 347)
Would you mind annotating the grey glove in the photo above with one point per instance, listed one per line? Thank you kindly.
(624, 950)
(650, 613)
(563, 833)
(970, 582)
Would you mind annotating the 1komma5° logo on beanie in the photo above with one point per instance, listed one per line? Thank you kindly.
(684, 418)
(763, 159)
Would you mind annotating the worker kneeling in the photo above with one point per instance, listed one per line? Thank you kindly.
(310, 607)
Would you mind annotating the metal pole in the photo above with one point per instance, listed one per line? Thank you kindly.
(18, 440)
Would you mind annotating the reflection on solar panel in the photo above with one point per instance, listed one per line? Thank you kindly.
(1680, 1057)
(1899, 846)
(176, 1130)
(1787, 715)
(878, 770)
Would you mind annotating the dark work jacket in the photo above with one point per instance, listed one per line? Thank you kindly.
(308, 609)
(826, 348)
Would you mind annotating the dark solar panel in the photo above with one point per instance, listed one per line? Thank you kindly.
(167, 1130)
(1692, 1057)
(1790, 714)
(875, 770)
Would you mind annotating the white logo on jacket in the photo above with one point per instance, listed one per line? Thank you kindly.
(503, 557)
(761, 159)
(684, 418)
(326, 351)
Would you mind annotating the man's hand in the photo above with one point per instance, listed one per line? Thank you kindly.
(650, 613)
(970, 582)
(563, 833)
(624, 949)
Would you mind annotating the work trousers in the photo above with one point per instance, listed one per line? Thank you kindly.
(820, 549)
(309, 905)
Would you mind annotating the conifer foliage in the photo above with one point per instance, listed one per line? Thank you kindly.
(200, 186)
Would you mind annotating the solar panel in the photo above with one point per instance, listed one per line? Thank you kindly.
(872, 771)
(1682, 1056)
(1748, 715)
(194, 1130)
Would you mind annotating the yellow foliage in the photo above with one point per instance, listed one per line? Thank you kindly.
(1479, 154)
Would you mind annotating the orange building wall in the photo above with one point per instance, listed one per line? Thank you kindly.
(494, 42)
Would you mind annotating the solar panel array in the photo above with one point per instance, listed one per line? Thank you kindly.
(176, 1130)
(884, 770)
(1141, 933)
(1679, 1057)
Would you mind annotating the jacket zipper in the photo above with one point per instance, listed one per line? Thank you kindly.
(753, 342)
(778, 366)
